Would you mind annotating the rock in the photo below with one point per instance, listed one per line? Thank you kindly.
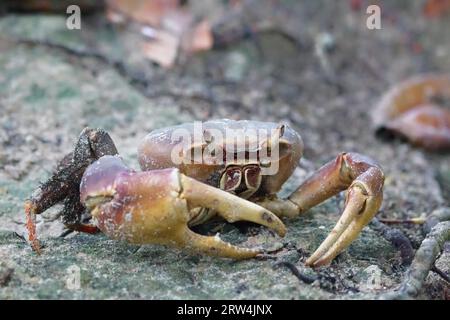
(47, 96)
(372, 279)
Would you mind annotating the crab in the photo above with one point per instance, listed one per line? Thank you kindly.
(237, 178)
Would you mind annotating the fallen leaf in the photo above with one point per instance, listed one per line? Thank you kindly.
(199, 39)
(169, 28)
(163, 49)
(412, 110)
(436, 8)
(148, 12)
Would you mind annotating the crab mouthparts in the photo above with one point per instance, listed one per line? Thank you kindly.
(93, 202)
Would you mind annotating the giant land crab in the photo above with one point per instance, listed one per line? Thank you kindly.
(235, 179)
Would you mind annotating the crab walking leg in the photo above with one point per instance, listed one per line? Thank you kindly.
(65, 181)
(364, 180)
(91, 145)
(154, 207)
(424, 260)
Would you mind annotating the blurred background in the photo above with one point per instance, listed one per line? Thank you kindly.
(133, 66)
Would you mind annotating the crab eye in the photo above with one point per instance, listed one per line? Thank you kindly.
(252, 176)
(231, 179)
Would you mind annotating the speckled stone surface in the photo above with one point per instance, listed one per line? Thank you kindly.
(48, 96)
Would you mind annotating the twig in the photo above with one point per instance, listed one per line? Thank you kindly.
(423, 262)
(438, 215)
(65, 233)
(302, 277)
(21, 237)
(223, 40)
(441, 273)
(402, 221)
(135, 250)
(397, 238)
(266, 256)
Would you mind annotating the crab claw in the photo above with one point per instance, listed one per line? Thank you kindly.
(155, 207)
(363, 179)
(362, 203)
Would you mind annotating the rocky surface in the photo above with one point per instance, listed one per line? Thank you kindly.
(47, 95)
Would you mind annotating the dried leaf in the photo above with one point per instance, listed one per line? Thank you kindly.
(199, 39)
(148, 12)
(427, 126)
(163, 49)
(436, 8)
(413, 110)
(167, 27)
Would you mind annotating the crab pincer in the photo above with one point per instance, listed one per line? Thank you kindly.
(363, 179)
(155, 207)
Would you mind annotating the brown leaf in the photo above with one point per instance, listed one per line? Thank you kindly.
(412, 109)
(163, 49)
(148, 12)
(167, 27)
(436, 8)
(199, 39)
(427, 126)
